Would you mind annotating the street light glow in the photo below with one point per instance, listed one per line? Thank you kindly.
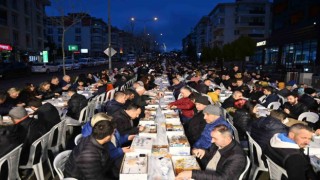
(132, 19)
(156, 19)
(161, 34)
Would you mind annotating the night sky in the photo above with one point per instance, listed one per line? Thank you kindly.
(176, 18)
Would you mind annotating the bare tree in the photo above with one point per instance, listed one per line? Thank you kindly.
(66, 21)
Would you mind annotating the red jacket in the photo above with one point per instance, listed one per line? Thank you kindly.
(186, 106)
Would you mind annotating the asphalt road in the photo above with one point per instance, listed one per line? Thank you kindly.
(37, 78)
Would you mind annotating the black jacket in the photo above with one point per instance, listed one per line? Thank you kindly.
(10, 138)
(195, 127)
(295, 110)
(123, 122)
(5, 108)
(176, 89)
(284, 92)
(56, 88)
(46, 94)
(230, 166)
(269, 99)
(242, 121)
(264, 128)
(229, 102)
(202, 88)
(88, 161)
(49, 115)
(244, 89)
(113, 106)
(75, 104)
(310, 102)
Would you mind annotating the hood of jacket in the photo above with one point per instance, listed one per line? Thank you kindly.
(281, 140)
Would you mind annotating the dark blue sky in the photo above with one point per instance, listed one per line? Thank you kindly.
(176, 17)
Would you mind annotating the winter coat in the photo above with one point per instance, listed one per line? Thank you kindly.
(230, 165)
(75, 104)
(186, 106)
(176, 89)
(202, 88)
(269, 99)
(195, 127)
(46, 94)
(88, 160)
(204, 142)
(5, 108)
(123, 121)
(295, 110)
(113, 106)
(310, 102)
(49, 115)
(264, 128)
(241, 121)
(287, 154)
(11, 137)
(229, 102)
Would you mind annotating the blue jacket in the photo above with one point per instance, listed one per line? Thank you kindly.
(269, 99)
(204, 142)
(115, 151)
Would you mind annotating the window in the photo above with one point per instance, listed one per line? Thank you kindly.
(60, 30)
(28, 42)
(78, 30)
(3, 2)
(26, 7)
(15, 37)
(78, 38)
(14, 4)
(3, 17)
(27, 23)
(59, 38)
(39, 18)
(15, 20)
(50, 31)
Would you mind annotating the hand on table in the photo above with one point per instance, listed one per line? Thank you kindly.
(184, 175)
(130, 137)
(126, 149)
(141, 128)
(286, 111)
(199, 153)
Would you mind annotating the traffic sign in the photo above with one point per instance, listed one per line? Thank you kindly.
(73, 47)
(113, 52)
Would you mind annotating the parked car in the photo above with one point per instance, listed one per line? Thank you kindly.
(100, 61)
(86, 62)
(45, 67)
(68, 64)
(15, 69)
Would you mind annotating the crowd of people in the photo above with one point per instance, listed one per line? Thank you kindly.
(197, 89)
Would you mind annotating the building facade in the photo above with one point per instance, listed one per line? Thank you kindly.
(294, 42)
(21, 29)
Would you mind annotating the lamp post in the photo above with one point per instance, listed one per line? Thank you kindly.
(144, 26)
(109, 35)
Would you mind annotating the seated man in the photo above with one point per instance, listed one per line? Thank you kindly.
(224, 160)
(4, 107)
(212, 116)
(197, 123)
(215, 95)
(293, 108)
(123, 119)
(176, 87)
(47, 113)
(116, 104)
(287, 151)
(270, 96)
(229, 102)
(75, 104)
(90, 159)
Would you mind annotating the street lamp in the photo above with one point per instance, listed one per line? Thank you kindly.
(144, 26)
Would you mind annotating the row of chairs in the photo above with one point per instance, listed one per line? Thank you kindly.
(41, 146)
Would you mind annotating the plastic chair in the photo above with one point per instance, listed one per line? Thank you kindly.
(60, 128)
(235, 133)
(258, 152)
(77, 139)
(261, 99)
(282, 100)
(245, 170)
(13, 162)
(310, 117)
(36, 164)
(274, 105)
(275, 171)
(59, 162)
(110, 95)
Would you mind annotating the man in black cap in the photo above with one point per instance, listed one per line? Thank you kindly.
(197, 123)
(308, 99)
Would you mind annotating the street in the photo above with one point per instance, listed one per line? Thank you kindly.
(37, 78)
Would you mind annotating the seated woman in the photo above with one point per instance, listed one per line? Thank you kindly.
(45, 91)
(28, 93)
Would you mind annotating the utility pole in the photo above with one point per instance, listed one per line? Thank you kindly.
(109, 35)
